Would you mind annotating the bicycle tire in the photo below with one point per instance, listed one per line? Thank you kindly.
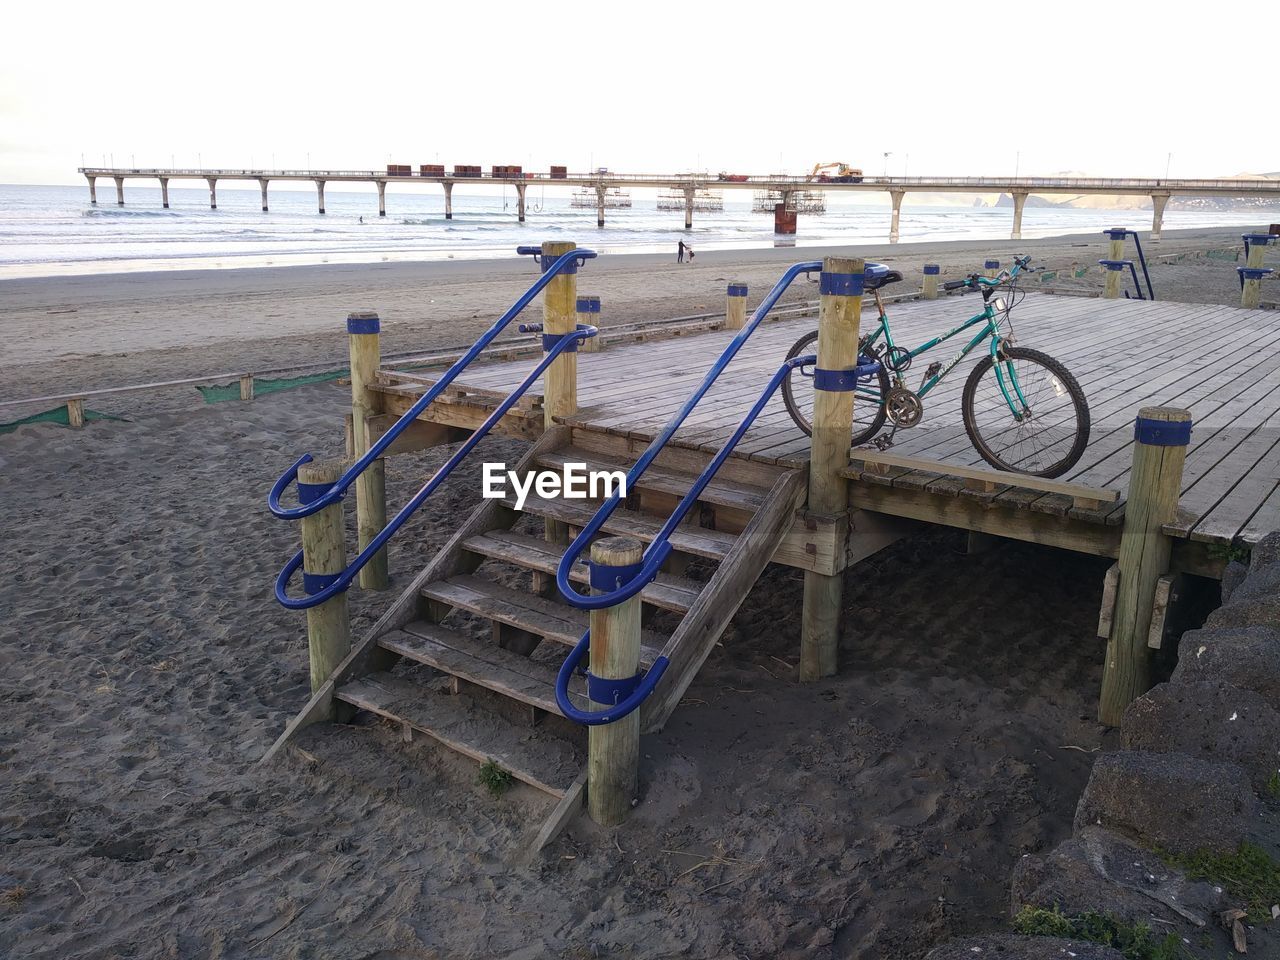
(863, 430)
(1062, 384)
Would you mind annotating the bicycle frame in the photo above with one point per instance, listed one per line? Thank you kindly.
(991, 329)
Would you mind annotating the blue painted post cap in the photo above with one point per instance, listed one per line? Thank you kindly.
(1117, 233)
(1115, 264)
(932, 269)
(588, 304)
(1261, 239)
(1162, 433)
(841, 284)
(737, 290)
(364, 321)
(1253, 273)
(992, 265)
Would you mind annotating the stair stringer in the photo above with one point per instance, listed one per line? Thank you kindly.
(697, 634)
(366, 656)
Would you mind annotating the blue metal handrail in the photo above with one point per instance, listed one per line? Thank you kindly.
(658, 551)
(335, 492)
(336, 583)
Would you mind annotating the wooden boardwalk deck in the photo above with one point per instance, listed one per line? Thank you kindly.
(1222, 363)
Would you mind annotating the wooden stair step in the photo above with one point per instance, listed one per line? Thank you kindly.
(546, 618)
(484, 664)
(711, 544)
(667, 591)
(723, 493)
(531, 755)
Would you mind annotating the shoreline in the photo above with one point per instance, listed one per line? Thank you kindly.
(779, 253)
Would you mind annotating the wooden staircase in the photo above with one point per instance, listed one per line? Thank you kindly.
(468, 654)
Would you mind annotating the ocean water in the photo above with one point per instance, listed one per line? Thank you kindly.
(55, 230)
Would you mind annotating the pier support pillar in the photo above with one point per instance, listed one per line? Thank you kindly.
(119, 191)
(735, 306)
(1019, 201)
(613, 749)
(320, 194)
(520, 190)
(93, 190)
(324, 553)
(896, 196)
(1161, 436)
(213, 193)
(1158, 201)
(688, 208)
(929, 285)
(262, 185)
(448, 200)
(371, 486)
(784, 215)
(164, 192)
(560, 381)
(839, 315)
(600, 191)
(382, 197)
(1114, 278)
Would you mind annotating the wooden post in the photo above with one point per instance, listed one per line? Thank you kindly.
(560, 382)
(1155, 483)
(1113, 276)
(559, 316)
(991, 268)
(929, 285)
(371, 486)
(246, 386)
(735, 306)
(75, 413)
(839, 314)
(613, 749)
(324, 552)
(589, 312)
(1253, 271)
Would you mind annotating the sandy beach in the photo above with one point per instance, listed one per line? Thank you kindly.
(145, 667)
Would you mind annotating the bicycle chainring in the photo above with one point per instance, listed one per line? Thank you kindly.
(903, 407)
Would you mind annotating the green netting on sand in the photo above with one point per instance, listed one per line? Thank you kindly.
(216, 393)
(57, 415)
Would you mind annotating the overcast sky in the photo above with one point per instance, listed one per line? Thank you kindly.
(944, 88)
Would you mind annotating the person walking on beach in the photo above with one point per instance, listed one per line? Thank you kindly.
(680, 252)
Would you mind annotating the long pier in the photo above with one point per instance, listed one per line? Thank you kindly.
(1019, 188)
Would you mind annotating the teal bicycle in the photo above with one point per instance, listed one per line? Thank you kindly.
(1023, 410)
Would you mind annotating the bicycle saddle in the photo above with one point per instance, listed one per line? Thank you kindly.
(878, 275)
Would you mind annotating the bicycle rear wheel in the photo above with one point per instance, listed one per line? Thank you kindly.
(868, 402)
(1026, 413)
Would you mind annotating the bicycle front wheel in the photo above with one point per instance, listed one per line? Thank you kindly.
(868, 395)
(1024, 412)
